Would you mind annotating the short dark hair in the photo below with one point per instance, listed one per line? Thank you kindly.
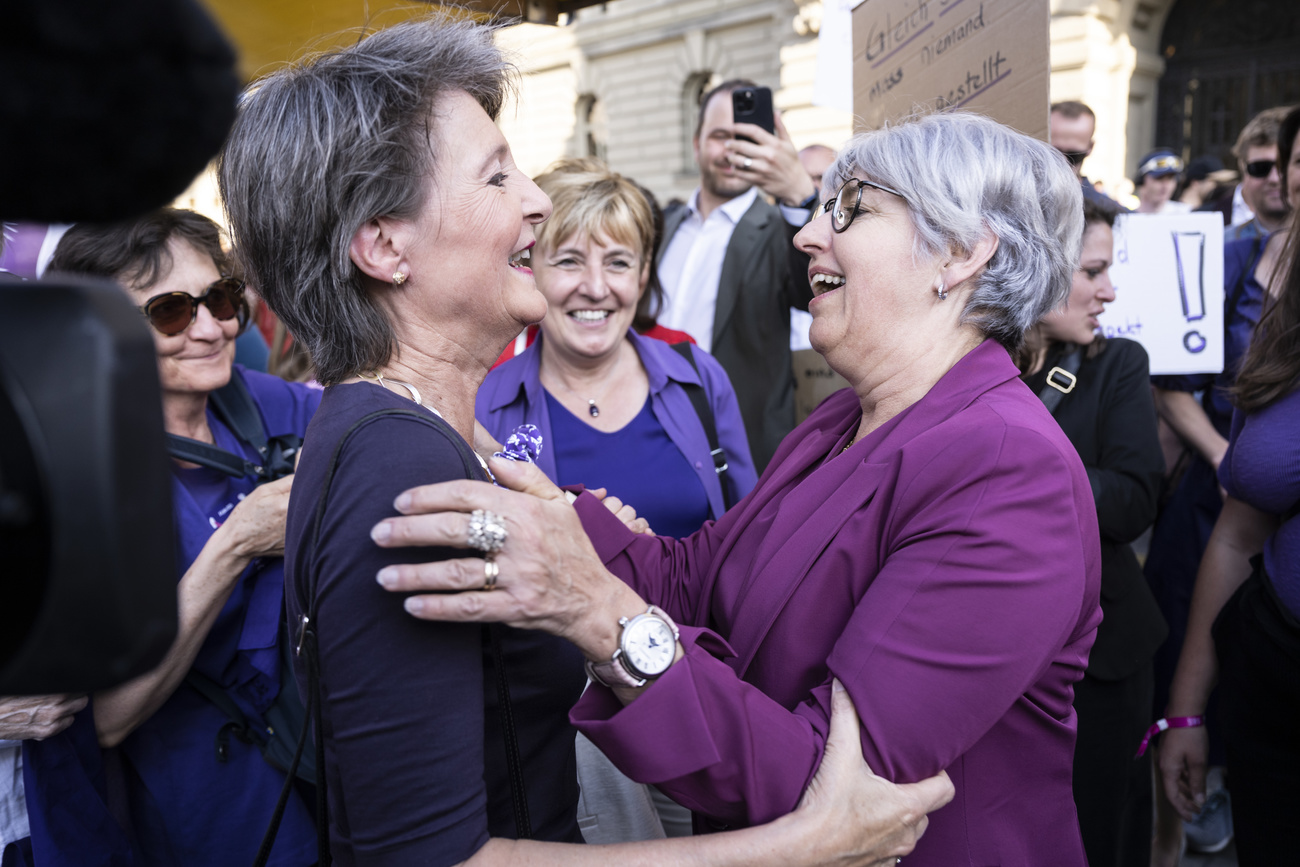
(731, 84)
(1072, 108)
(1095, 211)
(135, 252)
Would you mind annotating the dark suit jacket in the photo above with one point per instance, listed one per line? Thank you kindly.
(1111, 420)
(763, 276)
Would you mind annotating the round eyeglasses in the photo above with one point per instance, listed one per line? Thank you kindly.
(172, 312)
(844, 207)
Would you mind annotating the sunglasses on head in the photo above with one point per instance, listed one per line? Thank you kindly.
(172, 312)
(1260, 168)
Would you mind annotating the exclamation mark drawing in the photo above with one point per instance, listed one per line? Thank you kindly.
(1189, 253)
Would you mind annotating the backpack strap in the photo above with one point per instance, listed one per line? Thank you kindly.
(307, 645)
(700, 402)
(233, 404)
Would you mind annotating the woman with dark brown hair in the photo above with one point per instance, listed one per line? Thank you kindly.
(1244, 629)
(1097, 390)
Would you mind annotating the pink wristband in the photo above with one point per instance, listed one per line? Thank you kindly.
(1173, 722)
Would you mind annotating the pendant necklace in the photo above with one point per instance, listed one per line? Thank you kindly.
(592, 408)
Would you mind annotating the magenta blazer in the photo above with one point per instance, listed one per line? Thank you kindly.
(946, 569)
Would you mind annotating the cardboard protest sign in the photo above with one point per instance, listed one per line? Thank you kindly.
(1168, 277)
(988, 56)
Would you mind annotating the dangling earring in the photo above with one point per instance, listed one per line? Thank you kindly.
(943, 291)
(398, 278)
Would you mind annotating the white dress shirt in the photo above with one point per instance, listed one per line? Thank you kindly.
(691, 266)
(13, 804)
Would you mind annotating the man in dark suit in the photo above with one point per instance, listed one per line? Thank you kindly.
(729, 268)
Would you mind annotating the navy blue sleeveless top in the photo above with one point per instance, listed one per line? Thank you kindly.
(639, 464)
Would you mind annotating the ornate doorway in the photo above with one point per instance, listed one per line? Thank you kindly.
(1225, 60)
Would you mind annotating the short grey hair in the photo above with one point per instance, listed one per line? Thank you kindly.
(963, 174)
(322, 147)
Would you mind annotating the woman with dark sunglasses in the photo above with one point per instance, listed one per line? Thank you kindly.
(928, 536)
(196, 794)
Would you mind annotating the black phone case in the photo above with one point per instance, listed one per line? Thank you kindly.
(753, 105)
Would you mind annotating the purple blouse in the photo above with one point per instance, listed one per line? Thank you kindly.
(946, 569)
(1262, 469)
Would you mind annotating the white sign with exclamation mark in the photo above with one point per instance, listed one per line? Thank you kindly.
(1168, 277)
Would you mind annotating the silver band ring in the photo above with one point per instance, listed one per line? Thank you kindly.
(490, 572)
(747, 163)
(487, 531)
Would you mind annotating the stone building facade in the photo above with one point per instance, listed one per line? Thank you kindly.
(620, 80)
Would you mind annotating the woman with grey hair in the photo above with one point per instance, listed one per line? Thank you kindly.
(928, 537)
(377, 209)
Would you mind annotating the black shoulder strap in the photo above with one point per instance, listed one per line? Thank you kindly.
(1061, 379)
(208, 455)
(234, 405)
(307, 645)
(700, 402)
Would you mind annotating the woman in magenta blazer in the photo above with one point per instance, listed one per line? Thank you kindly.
(928, 537)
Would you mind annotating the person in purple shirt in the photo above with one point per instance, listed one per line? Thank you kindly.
(194, 794)
(927, 537)
(612, 406)
(376, 206)
(1244, 627)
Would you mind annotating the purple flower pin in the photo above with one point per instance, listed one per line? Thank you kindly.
(525, 444)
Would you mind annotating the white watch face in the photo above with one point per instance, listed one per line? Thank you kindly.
(649, 645)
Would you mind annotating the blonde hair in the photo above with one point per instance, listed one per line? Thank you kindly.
(590, 200)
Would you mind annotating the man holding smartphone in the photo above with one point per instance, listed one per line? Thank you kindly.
(729, 268)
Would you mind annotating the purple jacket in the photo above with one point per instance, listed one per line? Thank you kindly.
(946, 569)
(512, 394)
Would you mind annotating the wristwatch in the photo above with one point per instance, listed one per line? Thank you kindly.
(646, 648)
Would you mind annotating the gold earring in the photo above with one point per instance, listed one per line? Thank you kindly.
(398, 278)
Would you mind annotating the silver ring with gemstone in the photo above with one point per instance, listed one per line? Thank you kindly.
(747, 163)
(487, 531)
(490, 572)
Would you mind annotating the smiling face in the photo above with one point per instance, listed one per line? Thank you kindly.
(465, 254)
(592, 286)
(197, 360)
(869, 285)
(1076, 321)
(717, 175)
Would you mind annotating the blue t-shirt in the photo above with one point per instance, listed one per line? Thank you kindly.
(414, 754)
(638, 463)
(1262, 468)
(187, 804)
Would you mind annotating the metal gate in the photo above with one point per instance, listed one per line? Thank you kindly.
(1225, 61)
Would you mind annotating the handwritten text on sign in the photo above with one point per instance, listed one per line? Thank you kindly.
(1168, 277)
(985, 55)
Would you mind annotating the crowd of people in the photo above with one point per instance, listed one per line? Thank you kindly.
(522, 556)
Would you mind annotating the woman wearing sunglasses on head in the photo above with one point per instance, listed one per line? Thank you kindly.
(197, 794)
(928, 536)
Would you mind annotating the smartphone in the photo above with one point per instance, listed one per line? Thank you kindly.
(753, 105)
